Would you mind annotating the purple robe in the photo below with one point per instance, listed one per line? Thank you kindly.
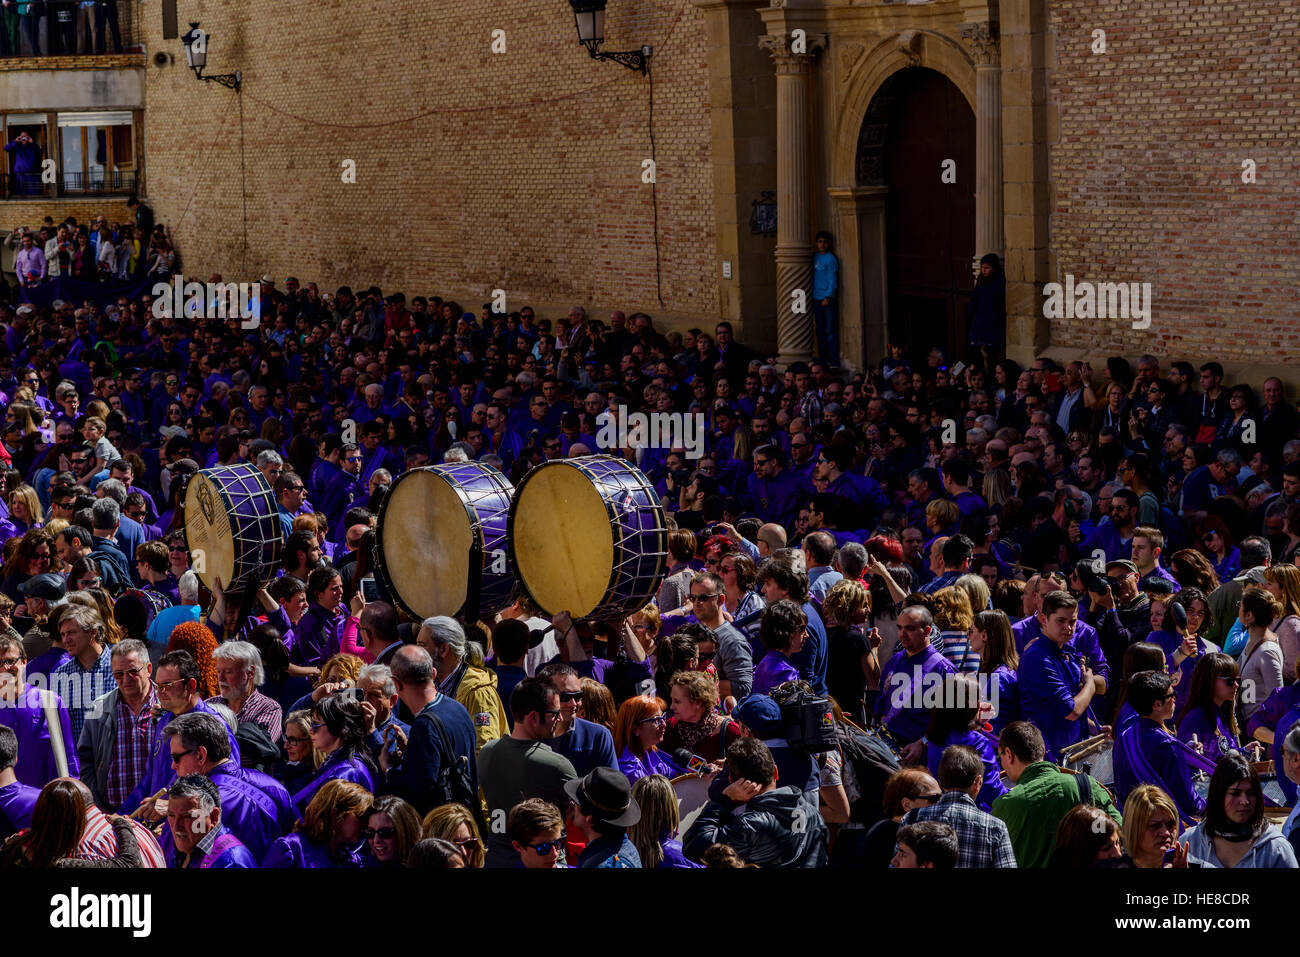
(160, 773)
(1170, 642)
(36, 766)
(250, 813)
(1049, 679)
(1085, 641)
(317, 636)
(335, 766)
(653, 761)
(294, 850)
(773, 669)
(17, 802)
(902, 690)
(1145, 753)
(1215, 736)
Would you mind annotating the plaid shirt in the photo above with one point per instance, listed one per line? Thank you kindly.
(79, 687)
(982, 839)
(259, 709)
(131, 747)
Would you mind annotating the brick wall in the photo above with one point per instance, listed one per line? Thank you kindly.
(1147, 169)
(474, 170)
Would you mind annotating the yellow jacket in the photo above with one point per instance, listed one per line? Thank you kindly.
(478, 693)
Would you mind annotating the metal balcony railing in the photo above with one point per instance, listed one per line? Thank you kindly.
(101, 183)
(74, 28)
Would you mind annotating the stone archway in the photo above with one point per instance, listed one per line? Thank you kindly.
(861, 205)
(918, 144)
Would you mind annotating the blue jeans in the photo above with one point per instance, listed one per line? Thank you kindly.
(828, 331)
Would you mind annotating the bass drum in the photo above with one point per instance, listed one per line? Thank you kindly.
(692, 794)
(232, 527)
(440, 541)
(588, 536)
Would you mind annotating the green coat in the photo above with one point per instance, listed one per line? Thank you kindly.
(1033, 809)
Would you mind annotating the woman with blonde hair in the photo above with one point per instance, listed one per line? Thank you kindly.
(977, 592)
(1150, 829)
(852, 666)
(329, 834)
(997, 487)
(1283, 583)
(942, 516)
(655, 835)
(24, 509)
(454, 823)
(953, 617)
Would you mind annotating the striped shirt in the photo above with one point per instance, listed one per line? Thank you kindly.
(955, 646)
(259, 709)
(99, 843)
(79, 687)
(131, 747)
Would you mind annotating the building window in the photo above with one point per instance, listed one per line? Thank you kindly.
(96, 153)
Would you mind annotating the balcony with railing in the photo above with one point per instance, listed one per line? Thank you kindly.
(70, 28)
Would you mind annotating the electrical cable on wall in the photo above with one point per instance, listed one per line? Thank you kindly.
(654, 191)
(243, 179)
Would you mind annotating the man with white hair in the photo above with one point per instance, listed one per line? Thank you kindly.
(239, 672)
(379, 705)
(475, 688)
(270, 464)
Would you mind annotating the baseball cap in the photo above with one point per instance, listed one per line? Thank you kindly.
(1123, 563)
(760, 714)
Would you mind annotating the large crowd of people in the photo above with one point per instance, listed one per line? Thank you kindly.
(925, 615)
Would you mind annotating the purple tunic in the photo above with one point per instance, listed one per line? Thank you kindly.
(317, 636)
(1145, 753)
(36, 765)
(653, 761)
(294, 850)
(335, 766)
(1170, 642)
(1215, 736)
(774, 669)
(17, 802)
(161, 773)
(903, 684)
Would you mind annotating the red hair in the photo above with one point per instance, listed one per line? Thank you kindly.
(199, 642)
(885, 550)
(630, 713)
(719, 541)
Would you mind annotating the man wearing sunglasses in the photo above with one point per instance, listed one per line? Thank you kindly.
(585, 743)
(522, 764)
(254, 806)
(176, 680)
(734, 660)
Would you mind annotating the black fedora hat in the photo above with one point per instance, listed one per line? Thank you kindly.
(607, 794)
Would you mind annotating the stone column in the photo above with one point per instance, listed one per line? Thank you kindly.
(795, 331)
(982, 42)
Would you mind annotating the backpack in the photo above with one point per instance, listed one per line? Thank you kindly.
(809, 722)
(872, 764)
(453, 783)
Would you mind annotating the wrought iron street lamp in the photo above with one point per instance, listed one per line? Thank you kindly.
(196, 53)
(589, 16)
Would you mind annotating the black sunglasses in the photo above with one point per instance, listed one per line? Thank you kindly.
(383, 833)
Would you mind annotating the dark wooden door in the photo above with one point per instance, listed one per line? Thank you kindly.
(930, 223)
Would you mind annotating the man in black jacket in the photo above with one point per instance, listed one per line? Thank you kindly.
(766, 825)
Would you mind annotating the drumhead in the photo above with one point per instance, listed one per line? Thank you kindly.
(207, 531)
(562, 539)
(424, 544)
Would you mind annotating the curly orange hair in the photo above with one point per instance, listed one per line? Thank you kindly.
(630, 713)
(195, 638)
